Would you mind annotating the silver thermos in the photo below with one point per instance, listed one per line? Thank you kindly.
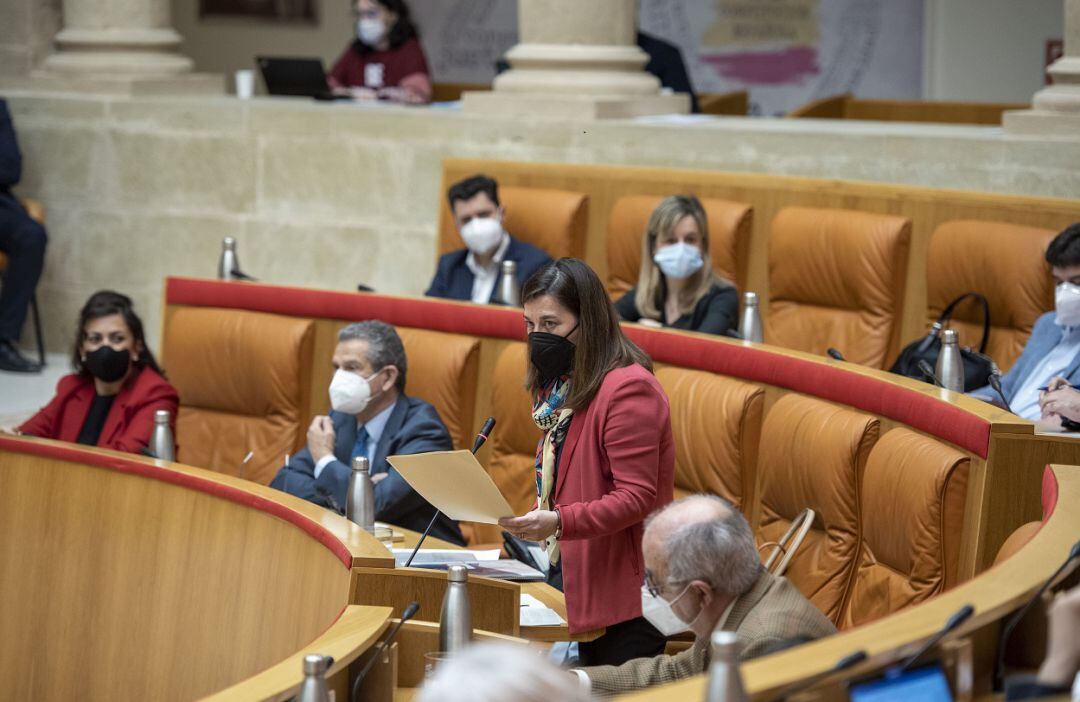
(725, 682)
(950, 367)
(161, 441)
(750, 324)
(455, 620)
(314, 687)
(228, 264)
(508, 293)
(360, 500)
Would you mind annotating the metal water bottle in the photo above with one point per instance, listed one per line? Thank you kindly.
(950, 367)
(228, 262)
(161, 441)
(725, 682)
(507, 292)
(360, 500)
(455, 620)
(750, 324)
(314, 687)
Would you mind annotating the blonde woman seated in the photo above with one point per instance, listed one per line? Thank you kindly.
(677, 286)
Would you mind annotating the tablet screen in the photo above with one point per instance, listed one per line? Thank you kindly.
(922, 685)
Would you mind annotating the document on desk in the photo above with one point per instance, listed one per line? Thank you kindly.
(536, 613)
(455, 483)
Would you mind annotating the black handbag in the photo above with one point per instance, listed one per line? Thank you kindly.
(977, 365)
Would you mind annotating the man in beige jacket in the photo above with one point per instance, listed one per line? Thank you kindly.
(703, 573)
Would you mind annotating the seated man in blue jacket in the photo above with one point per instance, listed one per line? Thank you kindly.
(1054, 347)
(472, 273)
(372, 416)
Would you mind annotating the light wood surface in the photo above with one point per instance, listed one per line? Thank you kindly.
(417, 638)
(994, 594)
(939, 112)
(122, 577)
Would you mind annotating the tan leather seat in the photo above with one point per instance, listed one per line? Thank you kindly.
(836, 279)
(813, 455)
(716, 421)
(913, 494)
(1017, 540)
(239, 393)
(553, 220)
(443, 370)
(730, 229)
(1004, 262)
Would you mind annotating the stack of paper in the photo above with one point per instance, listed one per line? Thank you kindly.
(536, 613)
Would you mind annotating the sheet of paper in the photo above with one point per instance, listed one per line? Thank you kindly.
(432, 555)
(455, 483)
(536, 613)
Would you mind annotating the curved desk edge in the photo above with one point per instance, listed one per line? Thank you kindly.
(355, 630)
(349, 544)
(994, 593)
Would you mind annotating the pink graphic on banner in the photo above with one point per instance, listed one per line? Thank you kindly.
(767, 67)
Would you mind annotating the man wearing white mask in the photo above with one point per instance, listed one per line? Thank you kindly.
(371, 416)
(702, 574)
(472, 273)
(1053, 350)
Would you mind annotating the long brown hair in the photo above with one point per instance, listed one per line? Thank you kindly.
(601, 347)
(106, 303)
(664, 218)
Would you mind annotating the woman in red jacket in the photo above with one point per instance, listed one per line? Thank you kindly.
(606, 459)
(111, 398)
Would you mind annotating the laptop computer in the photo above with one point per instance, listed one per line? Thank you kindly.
(303, 77)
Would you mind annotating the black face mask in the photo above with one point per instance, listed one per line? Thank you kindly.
(107, 364)
(551, 354)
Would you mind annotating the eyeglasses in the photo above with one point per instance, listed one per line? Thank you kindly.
(372, 13)
(650, 584)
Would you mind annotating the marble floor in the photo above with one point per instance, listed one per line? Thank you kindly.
(22, 394)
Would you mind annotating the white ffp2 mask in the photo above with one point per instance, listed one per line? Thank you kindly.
(1067, 303)
(482, 234)
(658, 612)
(350, 393)
(370, 31)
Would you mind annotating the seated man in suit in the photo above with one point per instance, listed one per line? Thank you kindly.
(703, 573)
(372, 416)
(1054, 347)
(472, 273)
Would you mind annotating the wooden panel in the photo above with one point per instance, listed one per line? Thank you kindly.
(419, 637)
(926, 111)
(127, 585)
(735, 103)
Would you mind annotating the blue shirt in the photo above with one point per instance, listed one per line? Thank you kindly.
(1025, 402)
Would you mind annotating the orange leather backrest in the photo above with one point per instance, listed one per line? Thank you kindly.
(1004, 262)
(813, 455)
(443, 370)
(836, 278)
(247, 395)
(717, 424)
(553, 220)
(1017, 540)
(912, 517)
(730, 228)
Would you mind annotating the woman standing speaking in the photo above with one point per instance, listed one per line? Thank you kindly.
(605, 461)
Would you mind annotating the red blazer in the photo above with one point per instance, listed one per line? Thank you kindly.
(131, 417)
(616, 467)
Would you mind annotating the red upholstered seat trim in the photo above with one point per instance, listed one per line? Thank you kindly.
(1049, 493)
(925, 413)
(74, 454)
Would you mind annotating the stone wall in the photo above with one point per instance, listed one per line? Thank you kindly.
(26, 31)
(329, 195)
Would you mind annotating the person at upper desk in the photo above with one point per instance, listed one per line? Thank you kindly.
(666, 63)
(677, 286)
(605, 460)
(385, 61)
(111, 399)
(472, 273)
(373, 417)
(1054, 346)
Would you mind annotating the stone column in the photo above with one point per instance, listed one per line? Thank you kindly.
(1056, 108)
(576, 58)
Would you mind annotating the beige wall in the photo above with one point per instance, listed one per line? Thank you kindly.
(329, 195)
(26, 31)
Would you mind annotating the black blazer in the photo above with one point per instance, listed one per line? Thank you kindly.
(10, 157)
(414, 427)
(454, 280)
(715, 313)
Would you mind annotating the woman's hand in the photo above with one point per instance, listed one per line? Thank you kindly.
(534, 526)
(1064, 402)
(651, 323)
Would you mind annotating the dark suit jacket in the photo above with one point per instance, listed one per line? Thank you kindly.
(10, 157)
(768, 613)
(130, 422)
(414, 427)
(666, 63)
(454, 280)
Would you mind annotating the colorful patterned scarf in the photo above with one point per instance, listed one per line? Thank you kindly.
(554, 422)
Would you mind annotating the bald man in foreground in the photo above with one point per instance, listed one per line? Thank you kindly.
(703, 573)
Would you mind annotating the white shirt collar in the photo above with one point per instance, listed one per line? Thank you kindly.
(376, 425)
(492, 269)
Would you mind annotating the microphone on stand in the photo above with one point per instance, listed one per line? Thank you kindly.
(408, 614)
(959, 617)
(849, 661)
(481, 439)
(995, 382)
(928, 371)
(1007, 630)
(834, 354)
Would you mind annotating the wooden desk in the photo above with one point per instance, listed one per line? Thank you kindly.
(542, 591)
